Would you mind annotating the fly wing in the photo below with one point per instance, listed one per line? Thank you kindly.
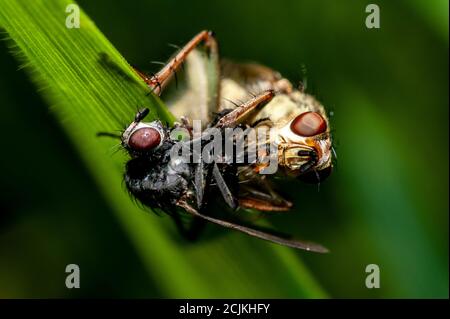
(195, 93)
(223, 187)
(240, 81)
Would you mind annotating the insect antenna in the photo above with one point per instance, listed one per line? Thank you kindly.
(141, 114)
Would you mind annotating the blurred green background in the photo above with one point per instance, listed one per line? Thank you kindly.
(386, 202)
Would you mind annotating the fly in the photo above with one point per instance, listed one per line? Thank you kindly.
(302, 140)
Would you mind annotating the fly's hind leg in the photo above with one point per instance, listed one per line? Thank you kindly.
(309, 246)
(159, 81)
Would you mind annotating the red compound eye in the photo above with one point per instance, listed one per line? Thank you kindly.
(309, 124)
(144, 139)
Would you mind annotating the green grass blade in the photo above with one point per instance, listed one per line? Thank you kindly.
(91, 88)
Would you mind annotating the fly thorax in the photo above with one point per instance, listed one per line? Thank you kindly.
(178, 166)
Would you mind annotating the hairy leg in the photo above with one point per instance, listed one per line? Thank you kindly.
(160, 80)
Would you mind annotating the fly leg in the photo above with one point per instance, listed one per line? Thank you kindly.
(257, 193)
(267, 201)
(299, 244)
(255, 104)
(160, 80)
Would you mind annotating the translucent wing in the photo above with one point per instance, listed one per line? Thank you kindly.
(196, 93)
(240, 81)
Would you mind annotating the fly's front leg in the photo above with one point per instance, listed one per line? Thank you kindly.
(160, 80)
(250, 107)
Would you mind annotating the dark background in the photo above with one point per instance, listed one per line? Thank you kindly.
(386, 202)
